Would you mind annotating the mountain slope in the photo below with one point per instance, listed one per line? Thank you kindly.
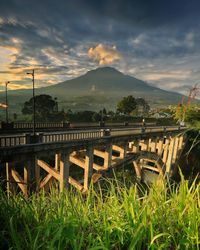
(100, 87)
(102, 80)
(108, 82)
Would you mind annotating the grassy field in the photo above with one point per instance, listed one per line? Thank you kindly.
(111, 216)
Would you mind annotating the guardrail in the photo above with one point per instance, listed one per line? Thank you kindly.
(16, 140)
(132, 131)
(64, 125)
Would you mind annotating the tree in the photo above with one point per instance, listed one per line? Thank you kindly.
(188, 114)
(192, 116)
(96, 117)
(45, 107)
(180, 113)
(127, 105)
(141, 103)
(14, 116)
(104, 111)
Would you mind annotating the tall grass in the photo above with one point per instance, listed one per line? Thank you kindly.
(112, 217)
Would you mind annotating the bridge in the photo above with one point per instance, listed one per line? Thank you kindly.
(34, 162)
(17, 127)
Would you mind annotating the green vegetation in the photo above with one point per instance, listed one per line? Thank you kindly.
(192, 116)
(127, 105)
(46, 108)
(111, 217)
(189, 160)
(189, 114)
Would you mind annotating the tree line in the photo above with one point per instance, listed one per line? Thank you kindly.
(46, 110)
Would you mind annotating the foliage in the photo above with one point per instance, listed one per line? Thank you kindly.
(104, 111)
(180, 113)
(112, 117)
(46, 108)
(44, 105)
(189, 160)
(80, 116)
(192, 116)
(86, 116)
(14, 116)
(189, 114)
(127, 105)
(145, 106)
(166, 217)
(165, 121)
(96, 117)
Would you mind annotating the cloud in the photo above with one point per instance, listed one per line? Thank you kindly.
(159, 39)
(175, 74)
(104, 54)
(14, 86)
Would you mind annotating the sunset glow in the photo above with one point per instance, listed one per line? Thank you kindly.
(142, 40)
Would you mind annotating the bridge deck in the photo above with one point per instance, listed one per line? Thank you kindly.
(21, 144)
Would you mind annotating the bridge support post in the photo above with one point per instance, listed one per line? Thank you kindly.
(88, 167)
(165, 150)
(108, 156)
(9, 179)
(180, 145)
(32, 174)
(135, 146)
(175, 151)
(57, 160)
(26, 181)
(125, 149)
(160, 146)
(64, 170)
(170, 155)
(144, 145)
(37, 177)
(153, 145)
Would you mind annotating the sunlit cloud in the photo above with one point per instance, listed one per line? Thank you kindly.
(104, 54)
(178, 75)
(160, 42)
(54, 55)
(8, 55)
(13, 86)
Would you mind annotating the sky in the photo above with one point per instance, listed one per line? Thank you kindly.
(153, 40)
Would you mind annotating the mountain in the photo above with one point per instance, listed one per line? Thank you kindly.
(101, 81)
(102, 87)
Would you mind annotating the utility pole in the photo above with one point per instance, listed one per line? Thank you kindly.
(102, 116)
(7, 101)
(33, 80)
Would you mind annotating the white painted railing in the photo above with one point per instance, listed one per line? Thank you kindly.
(80, 135)
(70, 136)
(13, 140)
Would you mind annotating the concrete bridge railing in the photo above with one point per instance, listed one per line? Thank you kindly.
(16, 140)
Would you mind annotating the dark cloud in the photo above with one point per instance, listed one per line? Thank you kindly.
(54, 36)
